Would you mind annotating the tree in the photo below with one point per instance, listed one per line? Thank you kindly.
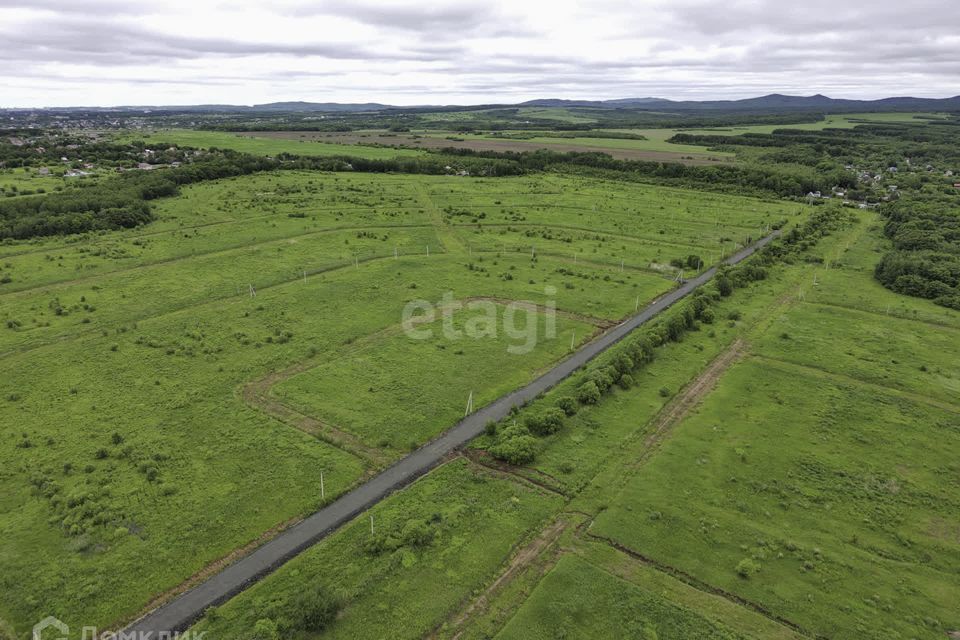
(724, 286)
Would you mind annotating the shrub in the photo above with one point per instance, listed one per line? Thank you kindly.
(417, 533)
(265, 629)
(547, 422)
(626, 381)
(734, 315)
(568, 405)
(515, 445)
(664, 392)
(747, 567)
(312, 610)
(707, 316)
(588, 393)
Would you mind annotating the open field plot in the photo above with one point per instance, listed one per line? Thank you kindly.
(105, 302)
(394, 587)
(132, 455)
(221, 215)
(660, 215)
(849, 282)
(122, 384)
(579, 600)
(811, 504)
(574, 456)
(167, 387)
(817, 482)
(262, 143)
(880, 349)
(408, 389)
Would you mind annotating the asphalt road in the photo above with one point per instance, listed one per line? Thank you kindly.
(180, 613)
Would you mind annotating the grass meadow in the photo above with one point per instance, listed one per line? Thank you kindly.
(131, 458)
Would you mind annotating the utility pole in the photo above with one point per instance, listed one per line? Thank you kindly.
(572, 338)
(469, 405)
(253, 292)
(323, 493)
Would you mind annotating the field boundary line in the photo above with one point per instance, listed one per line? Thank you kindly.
(700, 585)
(842, 378)
(636, 558)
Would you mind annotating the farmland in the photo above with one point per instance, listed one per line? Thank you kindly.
(128, 355)
(772, 457)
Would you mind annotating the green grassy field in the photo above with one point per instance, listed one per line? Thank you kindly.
(132, 457)
(251, 143)
(474, 518)
(409, 390)
(578, 600)
(817, 475)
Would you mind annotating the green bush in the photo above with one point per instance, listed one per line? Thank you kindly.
(312, 610)
(588, 393)
(568, 405)
(747, 568)
(548, 421)
(265, 629)
(515, 445)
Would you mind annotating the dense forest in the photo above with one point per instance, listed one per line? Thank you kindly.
(925, 261)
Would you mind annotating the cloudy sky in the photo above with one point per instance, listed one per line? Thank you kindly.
(121, 52)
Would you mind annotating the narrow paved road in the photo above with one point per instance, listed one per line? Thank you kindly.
(188, 607)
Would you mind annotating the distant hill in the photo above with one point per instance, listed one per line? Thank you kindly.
(772, 102)
(768, 103)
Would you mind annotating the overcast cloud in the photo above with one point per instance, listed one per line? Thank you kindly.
(108, 52)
